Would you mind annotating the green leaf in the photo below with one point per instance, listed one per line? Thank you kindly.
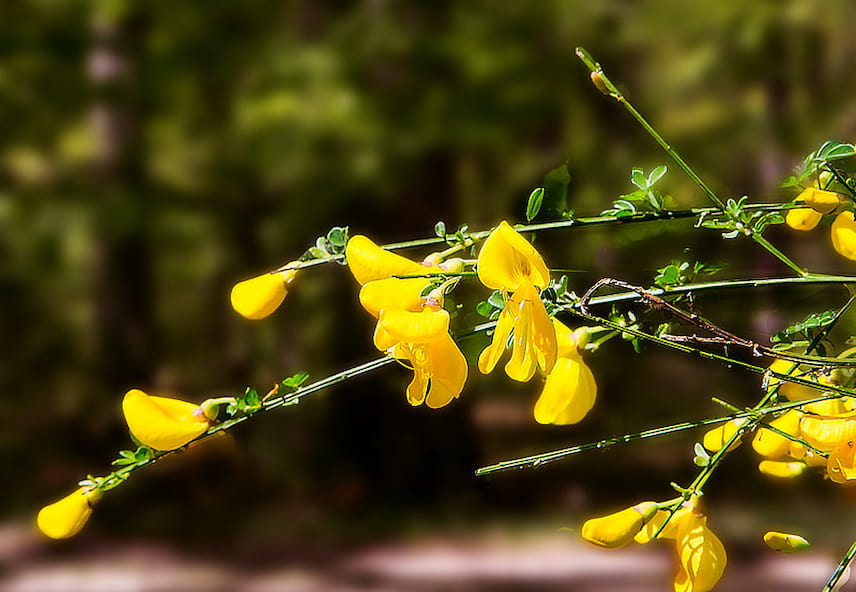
(656, 175)
(440, 229)
(834, 151)
(496, 300)
(484, 309)
(668, 276)
(338, 236)
(295, 381)
(637, 177)
(555, 198)
(533, 206)
(251, 398)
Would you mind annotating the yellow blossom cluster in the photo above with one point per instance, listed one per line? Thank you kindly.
(817, 203)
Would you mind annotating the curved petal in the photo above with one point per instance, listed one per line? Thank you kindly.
(415, 327)
(701, 557)
(369, 262)
(844, 235)
(507, 259)
(559, 390)
(64, 518)
(398, 293)
(582, 401)
(162, 423)
(825, 433)
(382, 339)
(258, 297)
(841, 465)
(448, 368)
(804, 219)
(820, 200)
(543, 335)
(493, 352)
(521, 365)
(773, 445)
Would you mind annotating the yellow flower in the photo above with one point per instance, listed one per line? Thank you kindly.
(509, 263)
(258, 297)
(569, 392)
(804, 219)
(844, 235)
(785, 543)
(162, 423)
(820, 200)
(422, 339)
(618, 529)
(827, 432)
(64, 518)
(774, 445)
(781, 469)
(841, 465)
(716, 438)
(701, 555)
(369, 262)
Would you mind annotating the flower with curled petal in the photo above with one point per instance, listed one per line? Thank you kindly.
(618, 529)
(701, 556)
(509, 263)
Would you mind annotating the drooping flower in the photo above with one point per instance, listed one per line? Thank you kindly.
(785, 543)
(844, 235)
(369, 262)
(701, 556)
(772, 444)
(509, 263)
(64, 518)
(618, 529)
(422, 340)
(163, 423)
(258, 297)
(570, 390)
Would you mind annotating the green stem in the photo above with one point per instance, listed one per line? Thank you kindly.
(840, 568)
(613, 91)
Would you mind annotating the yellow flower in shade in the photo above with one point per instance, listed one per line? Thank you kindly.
(509, 263)
(827, 432)
(569, 392)
(65, 518)
(258, 297)
(841, 466)
(369, 262)
(716, 438)
(701, 556)
(162, 423)
(844, 235)
(618, 529)
(785, 543)
(804, 219)
(781, 469)
(774, 445)
(422, 340)
(820, 200)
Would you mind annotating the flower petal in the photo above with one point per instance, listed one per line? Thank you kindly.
(773, 445)
(369, 262)
(415, 327)
(825, 433)
(258, 297)
(162, 423)
(820, 200)
(448, 369)
(507, 259)
(583, 400)
(785, 543)
(399, 293)
(844, 235)
(618, 529)
(64, 518)
(493, 352)
(701, 557)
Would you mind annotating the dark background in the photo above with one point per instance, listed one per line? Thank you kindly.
(153, 154)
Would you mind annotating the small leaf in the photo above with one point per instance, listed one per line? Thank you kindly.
(497, 300)
(484, 309)
(533, 206)
(656, 175)
(337, 236)
(440, 229)
(637, 177)
(295, 381)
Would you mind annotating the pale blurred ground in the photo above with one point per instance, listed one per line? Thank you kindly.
(489, 562)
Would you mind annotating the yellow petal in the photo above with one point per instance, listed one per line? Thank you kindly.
(382, 339)
(401, 294)
(493, 352)
(785, 543)
(507, 260)
(701, 557)
(415, 327)
(840, 464)
(618, 529)
(844, 235)
(534, 341)
(654, 524)
(825, 433)
(802, 218)
(162, 423)
(781, 469)
(64, 518)
(258, 297)
(448, 372)
(369, 262)
(791, 390)
(569, 393)
(820, 200)
(716, 438)
(772, 445)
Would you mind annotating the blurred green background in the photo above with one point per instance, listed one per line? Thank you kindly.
(154, 153)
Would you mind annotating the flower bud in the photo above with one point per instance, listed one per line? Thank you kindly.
(820, 200)
(453, 265)
(64, 518)
(716, 438)
(258, 297)
(802, 218)
(597, 79)
(162, 423)
(773, 445)
(781, 469)
(618, 529)
(785, 543)
(844, 235)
